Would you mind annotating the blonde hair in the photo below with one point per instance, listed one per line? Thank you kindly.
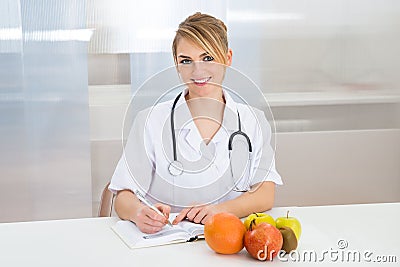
(207, 32)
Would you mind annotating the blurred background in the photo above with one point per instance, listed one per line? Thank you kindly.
(68, 68)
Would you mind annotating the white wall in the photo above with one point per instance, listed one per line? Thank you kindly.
(338, 167)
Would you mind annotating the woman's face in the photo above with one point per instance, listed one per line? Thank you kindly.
(199, 71)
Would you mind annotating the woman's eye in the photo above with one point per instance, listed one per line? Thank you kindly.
(185, 61)
(208, 58)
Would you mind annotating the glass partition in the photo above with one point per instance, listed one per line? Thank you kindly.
(323, 65)
(44, 120)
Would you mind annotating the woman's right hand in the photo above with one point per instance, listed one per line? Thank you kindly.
(148, 221)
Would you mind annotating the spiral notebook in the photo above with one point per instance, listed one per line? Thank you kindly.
(184, 231)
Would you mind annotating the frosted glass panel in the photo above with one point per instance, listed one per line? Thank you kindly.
(145, 65)
(44, 121)
(323, 65)
(10, 26)
(318, 45)
(125, 26)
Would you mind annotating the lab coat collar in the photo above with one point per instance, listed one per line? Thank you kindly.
(230, 120)
(185, 126)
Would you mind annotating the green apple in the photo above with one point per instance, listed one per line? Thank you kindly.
(259, 218)
(290, 222)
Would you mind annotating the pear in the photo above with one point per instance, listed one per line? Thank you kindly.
(289, 239)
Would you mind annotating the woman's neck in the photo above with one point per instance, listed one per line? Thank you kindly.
(206, 106)
(207, 114)
(219, 96)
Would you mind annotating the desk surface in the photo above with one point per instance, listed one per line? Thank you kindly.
(369, 230)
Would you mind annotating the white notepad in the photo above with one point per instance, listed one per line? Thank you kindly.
(183, 232)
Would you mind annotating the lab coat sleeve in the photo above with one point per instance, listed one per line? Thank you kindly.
(263, 167)
(135, 167)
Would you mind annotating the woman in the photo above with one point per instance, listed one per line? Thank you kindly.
(201, 54)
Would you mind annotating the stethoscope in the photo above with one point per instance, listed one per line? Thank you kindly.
(176, 167)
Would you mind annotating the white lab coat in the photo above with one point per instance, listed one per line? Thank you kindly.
(207, 176)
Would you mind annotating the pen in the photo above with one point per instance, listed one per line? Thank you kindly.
(148, 204)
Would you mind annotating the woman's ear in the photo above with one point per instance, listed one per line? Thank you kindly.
(229, 57)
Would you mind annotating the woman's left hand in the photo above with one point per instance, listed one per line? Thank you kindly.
(197, 214)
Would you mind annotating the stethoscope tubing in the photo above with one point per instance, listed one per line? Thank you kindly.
(176, 167)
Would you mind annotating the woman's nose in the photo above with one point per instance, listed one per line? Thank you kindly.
(198, 67)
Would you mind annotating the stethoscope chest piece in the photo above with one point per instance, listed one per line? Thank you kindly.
(175, 168)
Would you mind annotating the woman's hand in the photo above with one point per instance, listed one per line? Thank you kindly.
(149, 221)
(197, 214)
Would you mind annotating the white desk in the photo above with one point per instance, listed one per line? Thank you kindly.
(91, 242)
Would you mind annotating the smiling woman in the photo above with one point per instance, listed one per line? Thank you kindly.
(200, 124)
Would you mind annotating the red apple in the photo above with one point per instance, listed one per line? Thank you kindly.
(263, 241)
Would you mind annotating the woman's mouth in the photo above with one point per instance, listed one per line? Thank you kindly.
(201, 82)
